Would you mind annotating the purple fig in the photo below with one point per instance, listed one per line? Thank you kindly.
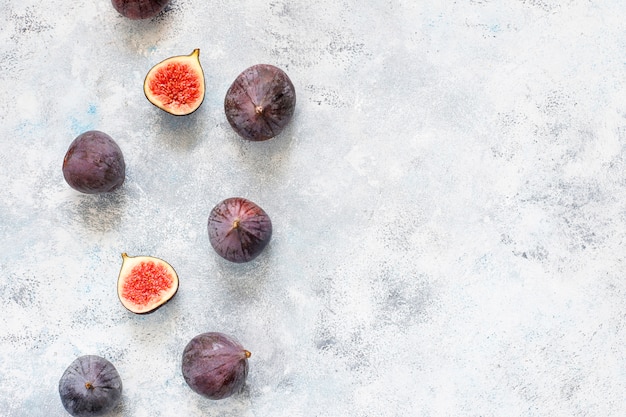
(239, 229)
(215, 365)
(90, 387)
(94, 163)
(139, 9)
(260, 102)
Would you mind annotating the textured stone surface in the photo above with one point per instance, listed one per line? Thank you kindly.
(447, 202)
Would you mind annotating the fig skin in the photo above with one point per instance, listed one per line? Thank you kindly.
(94, 163)
(139, 9)
(176, 84)
(239, 229)
(90, 387)
(215, 365)
(145, 294)
(260, 102)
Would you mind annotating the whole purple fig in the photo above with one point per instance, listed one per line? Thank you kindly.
(215, 365)
(239, 229)
(90, 387)
(139, 9)
(94, 163)
(260, 102)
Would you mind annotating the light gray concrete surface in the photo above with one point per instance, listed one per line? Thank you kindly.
(448, 206)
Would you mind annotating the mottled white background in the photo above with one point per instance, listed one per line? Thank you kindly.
(449, 207)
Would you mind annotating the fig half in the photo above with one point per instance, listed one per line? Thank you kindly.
(176, 84)
(239, 229)
(145, 283)
(260, 102)
(215, 365)
(90, 387)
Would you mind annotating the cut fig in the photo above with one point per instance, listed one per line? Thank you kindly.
(145, 283)
(260, 102)
(215, 365)
(90, 387)
(139, 9)
(176, 85)
(239, 229)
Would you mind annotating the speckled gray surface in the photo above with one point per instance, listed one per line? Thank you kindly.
(448, 206)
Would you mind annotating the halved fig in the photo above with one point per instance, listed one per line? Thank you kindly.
(90, 387)
(176, 84)
(145, 283)
(215, 365)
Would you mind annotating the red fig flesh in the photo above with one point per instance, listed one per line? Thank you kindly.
(145, 283)
(176, 84)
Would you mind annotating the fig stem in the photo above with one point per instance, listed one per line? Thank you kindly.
(88, 385)
(247, 353)
(236, 223)
(258, 109)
